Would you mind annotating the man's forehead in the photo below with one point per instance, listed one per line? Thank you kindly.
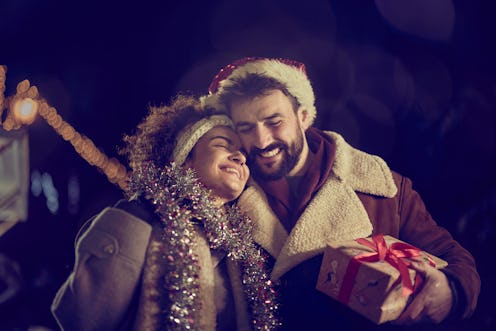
(243, 116)
(258, 111)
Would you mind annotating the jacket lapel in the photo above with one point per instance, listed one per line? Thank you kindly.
(322, 221)
(268, 230)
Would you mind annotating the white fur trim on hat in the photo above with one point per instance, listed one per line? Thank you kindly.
(293, 77)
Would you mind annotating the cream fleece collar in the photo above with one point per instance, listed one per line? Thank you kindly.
(335, 213)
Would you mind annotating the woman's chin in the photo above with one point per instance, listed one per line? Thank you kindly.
(220, 200)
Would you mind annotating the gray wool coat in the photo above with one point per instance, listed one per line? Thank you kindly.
(103, 290)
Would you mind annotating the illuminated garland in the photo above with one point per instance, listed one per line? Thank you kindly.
(2, 89)
(27, 95)
(179, 197)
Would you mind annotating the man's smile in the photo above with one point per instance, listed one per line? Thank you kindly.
(270, 153)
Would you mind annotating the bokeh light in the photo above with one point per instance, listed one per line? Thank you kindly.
(25, 110)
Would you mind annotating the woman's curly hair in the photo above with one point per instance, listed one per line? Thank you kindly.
(155, 137)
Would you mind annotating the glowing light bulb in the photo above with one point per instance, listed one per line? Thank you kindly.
(25, 110)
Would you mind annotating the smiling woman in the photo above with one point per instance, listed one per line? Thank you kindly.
(177, 252)
(219, 162)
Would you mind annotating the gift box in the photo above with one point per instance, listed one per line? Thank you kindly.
(371, 275)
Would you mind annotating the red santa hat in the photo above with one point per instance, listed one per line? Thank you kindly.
(288, 72)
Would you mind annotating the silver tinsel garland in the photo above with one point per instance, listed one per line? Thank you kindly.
(179, 198)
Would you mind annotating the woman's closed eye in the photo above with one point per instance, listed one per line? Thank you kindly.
(223, 146)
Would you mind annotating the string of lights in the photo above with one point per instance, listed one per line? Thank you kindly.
(3, 72)
(22, 109)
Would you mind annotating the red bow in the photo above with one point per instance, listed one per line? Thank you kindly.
(394, 255)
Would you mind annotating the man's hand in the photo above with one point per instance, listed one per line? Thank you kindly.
(433, 302)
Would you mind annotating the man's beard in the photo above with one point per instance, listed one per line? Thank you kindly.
(291, 155)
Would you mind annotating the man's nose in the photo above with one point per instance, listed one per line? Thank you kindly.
(263, 137)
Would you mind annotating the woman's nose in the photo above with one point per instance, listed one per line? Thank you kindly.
(238, 157)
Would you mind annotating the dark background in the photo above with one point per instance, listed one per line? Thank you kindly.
(410, 81)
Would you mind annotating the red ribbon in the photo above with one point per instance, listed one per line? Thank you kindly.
(394, 255)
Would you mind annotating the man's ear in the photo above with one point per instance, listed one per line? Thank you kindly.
(304, 118)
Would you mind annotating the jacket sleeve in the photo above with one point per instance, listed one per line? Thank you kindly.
(109, 258)
(418, 228)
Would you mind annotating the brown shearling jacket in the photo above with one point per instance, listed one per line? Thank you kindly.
(362, 197)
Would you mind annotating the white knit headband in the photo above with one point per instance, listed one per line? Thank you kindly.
(188, 138)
